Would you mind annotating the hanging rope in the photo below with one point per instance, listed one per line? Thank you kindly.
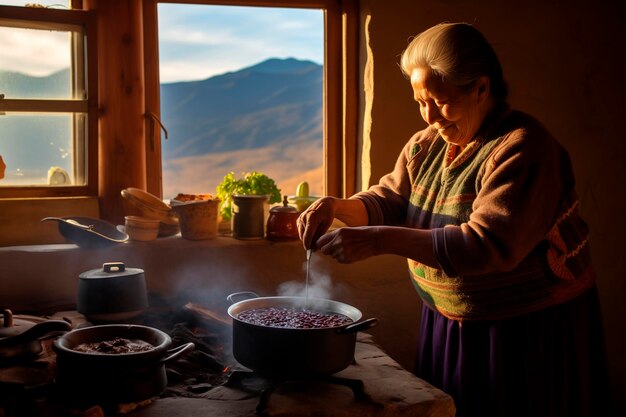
(153, 117)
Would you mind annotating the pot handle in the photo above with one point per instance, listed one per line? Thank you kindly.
(177, 352)
(359, 326)
(38, 331)
(244, 294)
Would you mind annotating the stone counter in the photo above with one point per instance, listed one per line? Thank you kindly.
(392, 392)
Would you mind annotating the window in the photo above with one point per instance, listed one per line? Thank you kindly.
(98, 186)
(48, 103)
(339, 89)
(241, 91)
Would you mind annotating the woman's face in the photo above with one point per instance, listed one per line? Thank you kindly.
(456, 114)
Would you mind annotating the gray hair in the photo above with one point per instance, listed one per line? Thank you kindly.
(458, 53)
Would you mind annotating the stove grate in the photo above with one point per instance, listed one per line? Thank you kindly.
(266, 386)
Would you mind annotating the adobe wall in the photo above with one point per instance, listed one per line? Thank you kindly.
(562, 64)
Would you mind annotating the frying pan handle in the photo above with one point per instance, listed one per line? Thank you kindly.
(243, 294)
(178, 351)
(359, 326)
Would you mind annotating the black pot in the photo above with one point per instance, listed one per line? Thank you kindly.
(20, 338)
(295, 353)
(112, 294)
(111, 379)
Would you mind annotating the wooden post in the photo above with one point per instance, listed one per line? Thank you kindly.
(154, 176)
(122, 159)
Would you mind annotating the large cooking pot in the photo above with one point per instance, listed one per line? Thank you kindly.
(110, 378)
(20, 336)
(294, 353)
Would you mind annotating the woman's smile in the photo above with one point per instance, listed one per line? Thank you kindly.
(456, 114)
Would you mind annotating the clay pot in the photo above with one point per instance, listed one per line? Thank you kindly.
(281, 224)
(198, 218)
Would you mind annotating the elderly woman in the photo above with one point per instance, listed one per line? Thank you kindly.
(482, 203)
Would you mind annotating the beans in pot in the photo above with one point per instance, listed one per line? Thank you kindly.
(117, 345)
(293, 318)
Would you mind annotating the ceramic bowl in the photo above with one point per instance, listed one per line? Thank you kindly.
(302, 203)
(141, 228)
(150, 205)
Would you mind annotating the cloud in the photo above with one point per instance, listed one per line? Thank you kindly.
(183, 70)
(197, 42)
(34, 52)
(181, 36)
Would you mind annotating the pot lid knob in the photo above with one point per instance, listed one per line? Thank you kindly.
(285, 208)
(113, 267)
(12, 326)
(7, 318)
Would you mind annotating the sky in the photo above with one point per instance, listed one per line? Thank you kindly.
(195, 41)
(198, 41)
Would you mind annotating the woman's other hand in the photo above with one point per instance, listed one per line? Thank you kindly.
(350, 244)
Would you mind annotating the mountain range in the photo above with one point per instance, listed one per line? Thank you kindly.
(18, 85)
(265, 118)
(274, 102)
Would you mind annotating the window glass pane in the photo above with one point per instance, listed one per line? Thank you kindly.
(241, 91)
(37, 149)
(53, 4)
(42, 139)
(35, 63)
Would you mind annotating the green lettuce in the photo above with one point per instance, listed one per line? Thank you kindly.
(252, 183)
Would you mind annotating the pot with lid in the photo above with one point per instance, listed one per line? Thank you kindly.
(281, 224)
(20, 336)
(112, 293)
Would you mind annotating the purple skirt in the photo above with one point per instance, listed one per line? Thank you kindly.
(550, 363)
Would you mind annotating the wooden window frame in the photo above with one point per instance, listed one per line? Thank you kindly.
(86, 58)
(339, 96)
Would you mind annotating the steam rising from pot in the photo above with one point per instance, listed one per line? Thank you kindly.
(320, 284)
(319, 287)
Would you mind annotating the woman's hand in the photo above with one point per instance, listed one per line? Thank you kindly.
(350, 244)
(315, 220)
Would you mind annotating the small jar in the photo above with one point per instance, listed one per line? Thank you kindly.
(281, 224)
(249, 216)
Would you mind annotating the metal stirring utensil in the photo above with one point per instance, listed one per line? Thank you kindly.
(308, 267)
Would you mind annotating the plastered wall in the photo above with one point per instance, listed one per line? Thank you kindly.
(44, 279)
